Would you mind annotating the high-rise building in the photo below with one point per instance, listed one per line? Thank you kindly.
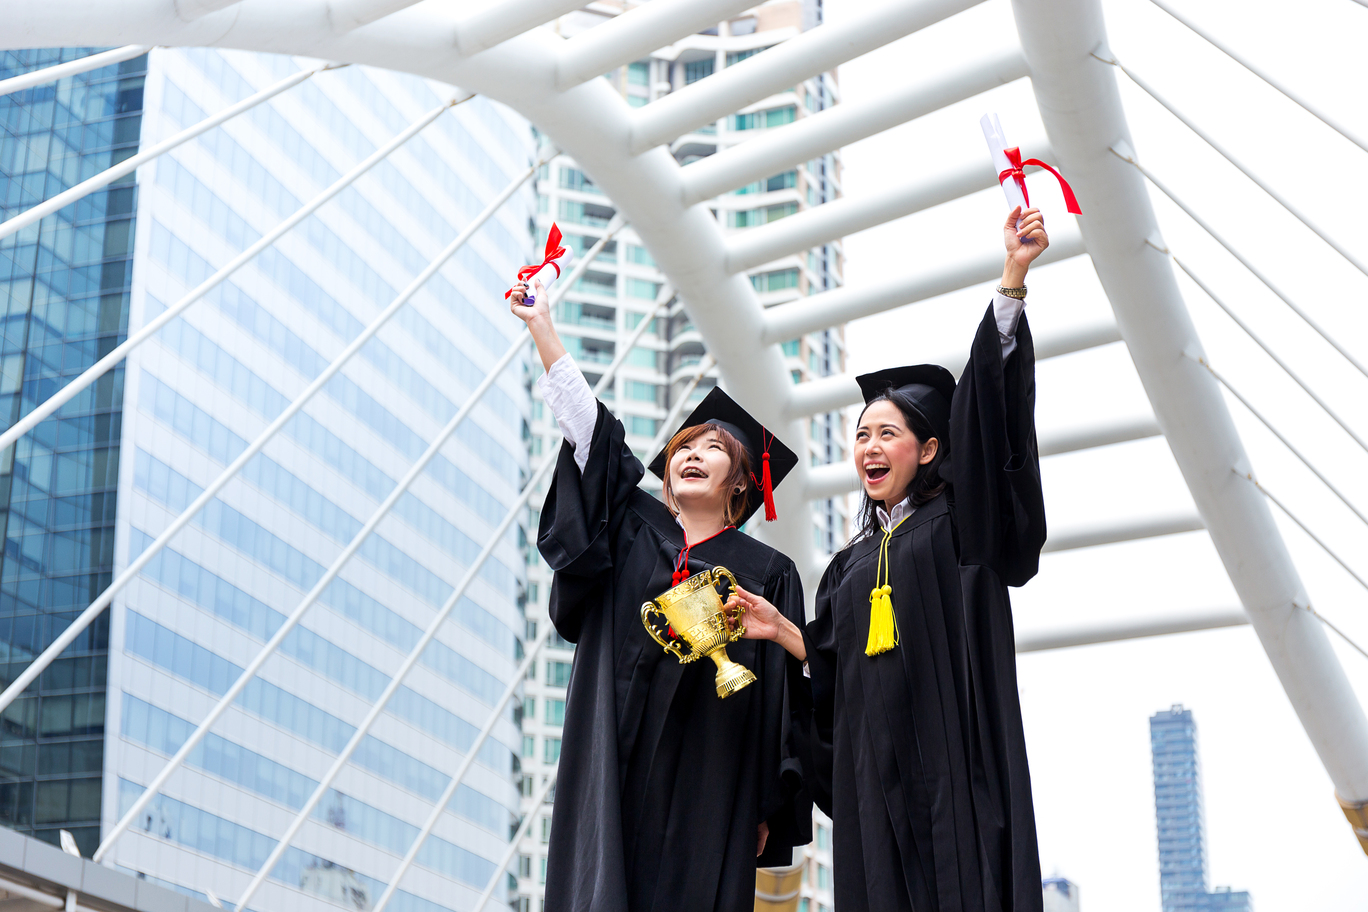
(92, 486)
(622, 284)
(1061, 895)
(1181, 821)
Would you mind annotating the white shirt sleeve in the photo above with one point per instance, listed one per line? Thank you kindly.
(573, 404)
(1007, 312)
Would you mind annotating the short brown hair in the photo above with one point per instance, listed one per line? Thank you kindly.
(740, 474)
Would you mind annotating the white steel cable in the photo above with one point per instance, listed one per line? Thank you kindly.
(1257, 273)
(1258, 182)
(1249, 477)
(99, 368)
(1306, 388)
(1276, 84)
(128, 166)
(93, 610)
(548, 463)
(1326, 621)
(71, 68)
(316, 592)
(512, 849)
(1278, 434)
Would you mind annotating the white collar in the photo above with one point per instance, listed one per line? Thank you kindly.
(900, 512)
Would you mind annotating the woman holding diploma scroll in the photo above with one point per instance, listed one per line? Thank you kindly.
(916, 747)
(668, 795)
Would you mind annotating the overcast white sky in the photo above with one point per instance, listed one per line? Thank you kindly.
(1273, 826)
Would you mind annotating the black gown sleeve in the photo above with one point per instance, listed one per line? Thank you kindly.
(789, 812)
(999, 507)
(819, 639)
(581, 517)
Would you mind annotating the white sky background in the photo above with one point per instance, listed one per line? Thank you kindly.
(1273, 826)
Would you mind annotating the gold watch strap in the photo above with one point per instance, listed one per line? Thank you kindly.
(1018, 293)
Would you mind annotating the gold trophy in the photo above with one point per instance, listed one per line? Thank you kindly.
(695, 613)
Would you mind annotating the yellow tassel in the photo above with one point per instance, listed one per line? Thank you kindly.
(883, 626)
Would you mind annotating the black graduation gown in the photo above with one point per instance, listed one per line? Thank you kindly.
(918, 754)
(661, 784)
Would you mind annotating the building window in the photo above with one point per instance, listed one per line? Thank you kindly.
(642, 427)
(637, 101)
(790, 348)
(633, 320)
(542, 877)
(695, 70)
(823, 837)
(524, 865)
(642, 357)
(575, 179)
(639, 254)
(639, 73)
(529, 746)
(734, 57)
(557, 674)
(750, 218)
(546, 837)
(555, 712)
(551, 750)
(775, 281)
(758, 120)
(642, 392)
(641, 288)
(586, 213)
(529, 708)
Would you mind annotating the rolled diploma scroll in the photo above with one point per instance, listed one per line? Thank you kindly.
(551, 275)
(997, 146)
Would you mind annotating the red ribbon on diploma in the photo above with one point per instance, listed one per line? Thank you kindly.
(554, 251)
(1015, 172)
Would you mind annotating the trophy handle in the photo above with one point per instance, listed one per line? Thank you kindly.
(719, 574)
(650, 608)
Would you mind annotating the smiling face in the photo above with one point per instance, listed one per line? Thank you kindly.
(699, 470)
(887, 453)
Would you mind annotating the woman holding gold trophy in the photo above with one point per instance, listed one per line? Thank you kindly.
(677, 776)
(917, 749)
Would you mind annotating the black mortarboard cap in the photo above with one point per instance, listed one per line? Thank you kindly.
(930, 387)
(770, 460)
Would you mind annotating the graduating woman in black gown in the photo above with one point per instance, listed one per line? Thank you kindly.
(667, 797)
(916, 748)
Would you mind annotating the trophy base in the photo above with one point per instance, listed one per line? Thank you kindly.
(731, 677)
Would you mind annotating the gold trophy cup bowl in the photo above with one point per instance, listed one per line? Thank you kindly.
(694, 611)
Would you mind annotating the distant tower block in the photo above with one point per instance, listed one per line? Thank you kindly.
(1061, 895)
(1181, 819)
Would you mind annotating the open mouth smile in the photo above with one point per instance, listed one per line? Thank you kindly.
(692, 472)
(875, 472)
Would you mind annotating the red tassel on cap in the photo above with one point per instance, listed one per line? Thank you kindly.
(767, 488)
(763, 482)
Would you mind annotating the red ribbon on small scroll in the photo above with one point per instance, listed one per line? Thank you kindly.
(554, 251)
(1016, 173)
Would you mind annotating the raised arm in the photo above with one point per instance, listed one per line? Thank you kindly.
(995, 462)
(563, 387)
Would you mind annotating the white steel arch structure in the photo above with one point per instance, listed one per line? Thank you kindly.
(500, 52)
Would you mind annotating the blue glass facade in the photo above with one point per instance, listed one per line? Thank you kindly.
(197, 394)
(1181, 822)
(64, 289)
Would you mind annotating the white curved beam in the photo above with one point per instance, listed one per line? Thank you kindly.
(837, 478)
(1113, 631)
(831, 393)
(811, 137)
(1110, 533)
(851, 215)
(502, 21)
(634, 34)
(782, 67)
(1081, 107)
(840, 305)
(349, 14)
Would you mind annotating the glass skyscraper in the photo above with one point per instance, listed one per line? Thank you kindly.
(1181, 819)
(65, 287)
(192, 399)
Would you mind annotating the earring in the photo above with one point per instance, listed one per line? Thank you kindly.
(738, 489)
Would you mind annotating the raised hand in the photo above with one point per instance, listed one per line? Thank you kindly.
(1023, 244)
(524, 312)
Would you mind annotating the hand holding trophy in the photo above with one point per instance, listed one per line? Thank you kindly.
(698, 619)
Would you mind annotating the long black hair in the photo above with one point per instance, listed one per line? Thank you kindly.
(927, 484)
